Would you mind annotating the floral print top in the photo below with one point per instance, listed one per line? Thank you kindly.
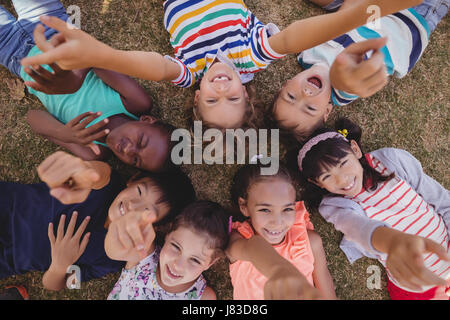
(139, 283)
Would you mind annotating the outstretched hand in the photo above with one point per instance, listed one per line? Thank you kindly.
(354, 75)
(71, 48)
(69, 178)
(405, 261)
(130, 236)
(287, 283)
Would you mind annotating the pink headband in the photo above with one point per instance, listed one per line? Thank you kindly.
(312, 142)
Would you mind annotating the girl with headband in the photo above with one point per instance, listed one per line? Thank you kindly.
(385, 205)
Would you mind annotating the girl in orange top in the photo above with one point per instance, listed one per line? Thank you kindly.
(274, 254)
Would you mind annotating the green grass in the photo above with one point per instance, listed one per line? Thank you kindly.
(410, 113)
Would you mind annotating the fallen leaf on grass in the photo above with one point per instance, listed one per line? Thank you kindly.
(16, 89)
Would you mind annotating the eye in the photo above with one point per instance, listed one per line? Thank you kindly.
(325, 177)
(176, 247)
(288, 210)
(290, 96)
(135, 161)
(196, 261)
(139, 191)
(234, 99)
(311, 108)
(344, 162)
(211, 100)
(139, 144)
(265, 210)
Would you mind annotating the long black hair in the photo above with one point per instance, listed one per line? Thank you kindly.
(327, 154)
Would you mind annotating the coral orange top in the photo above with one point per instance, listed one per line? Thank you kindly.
(248, 282)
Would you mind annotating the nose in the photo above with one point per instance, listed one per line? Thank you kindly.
(134, 206)
(307, 91)
(129, 149)
(276, 219)
(221, 86)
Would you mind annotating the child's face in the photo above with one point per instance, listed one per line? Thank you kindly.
(346, 178)
(140, 144)
(303, 101)
(222, 99)
(139, 196)
(271, 208)
(184, 256)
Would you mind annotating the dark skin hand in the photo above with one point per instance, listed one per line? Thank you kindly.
(57, 82)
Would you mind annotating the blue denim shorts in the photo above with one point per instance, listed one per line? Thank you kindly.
(432, 10)
(16, 36)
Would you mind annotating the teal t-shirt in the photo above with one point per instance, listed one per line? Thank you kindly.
(94, 95)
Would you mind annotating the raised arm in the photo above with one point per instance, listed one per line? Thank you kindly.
(284, 281)
(308, 33)
(75, 49)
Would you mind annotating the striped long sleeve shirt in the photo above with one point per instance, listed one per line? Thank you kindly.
(407, 34)
(203, 30)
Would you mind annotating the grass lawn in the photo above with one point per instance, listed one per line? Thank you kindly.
(410, 113)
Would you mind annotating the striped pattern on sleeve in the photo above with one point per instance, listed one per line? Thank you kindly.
(407, 34)
(199, 29)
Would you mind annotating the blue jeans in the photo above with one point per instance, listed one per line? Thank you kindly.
(432, 10)
(16, 36)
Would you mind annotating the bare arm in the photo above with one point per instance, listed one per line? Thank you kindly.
(134, 97)
(75, 49)
(308, 33)
(321, 275)
(46, 125)
(284, 281)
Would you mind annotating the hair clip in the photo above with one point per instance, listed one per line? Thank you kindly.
(344, 132)
(230, 224)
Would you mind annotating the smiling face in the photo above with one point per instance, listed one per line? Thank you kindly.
(140, 143)
(222, 99)
(303, 101)
(184, 256)
(271, 208)
(346, 178)
(139, 196)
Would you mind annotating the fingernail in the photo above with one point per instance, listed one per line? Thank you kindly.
(107, 131)
(140, 247)
(45, 18)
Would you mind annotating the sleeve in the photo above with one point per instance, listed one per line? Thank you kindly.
(262, 53)
(349, 218)
(407, 167)
(342, 98)
(186, 78)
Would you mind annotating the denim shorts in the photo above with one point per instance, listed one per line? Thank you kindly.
(16, 36)
(432, 10)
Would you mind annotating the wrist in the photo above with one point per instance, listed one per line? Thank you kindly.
(58, 269)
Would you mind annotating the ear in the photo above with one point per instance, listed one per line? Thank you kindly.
(148, 119)
(328, 110)
(196, 97)
(356, 149)
(244, 89)
(243, 206)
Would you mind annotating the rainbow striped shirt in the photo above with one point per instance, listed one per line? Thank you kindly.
(202, 30)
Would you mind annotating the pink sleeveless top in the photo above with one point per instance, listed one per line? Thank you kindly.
(248, 282)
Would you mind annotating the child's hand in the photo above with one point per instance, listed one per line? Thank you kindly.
(67, 248)
(287, 283)
(71, 48)
(130, 236)
(352, 74)
(69, 178)
(75, 130)
(405, 261)
(57, 82)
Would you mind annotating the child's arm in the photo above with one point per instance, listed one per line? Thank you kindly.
(284, 281)
(75, 49)
(73, 135)
(71, 179)
(134, 97)
(66, 249)
(308, 33)
(405, 257)
(321, 275)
